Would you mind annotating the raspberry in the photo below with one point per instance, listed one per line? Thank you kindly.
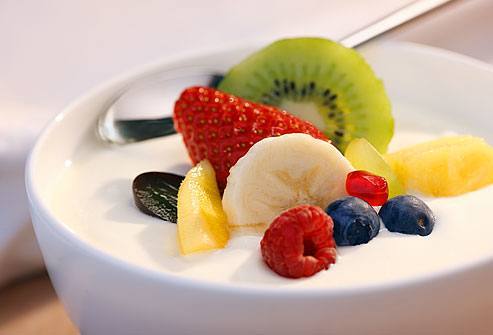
(299, 242)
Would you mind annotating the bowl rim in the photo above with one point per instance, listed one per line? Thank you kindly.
(39, 204)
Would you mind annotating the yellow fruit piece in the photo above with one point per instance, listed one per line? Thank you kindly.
(447, 166)
(202, 223)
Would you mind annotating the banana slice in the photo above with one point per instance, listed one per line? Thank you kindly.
(278, 173)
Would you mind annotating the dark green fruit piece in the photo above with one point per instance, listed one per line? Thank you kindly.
(156, 194)
(320, 81)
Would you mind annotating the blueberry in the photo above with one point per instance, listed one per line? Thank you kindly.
(408, 215)
(355, 221)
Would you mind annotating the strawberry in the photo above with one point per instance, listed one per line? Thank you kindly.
(221, 127)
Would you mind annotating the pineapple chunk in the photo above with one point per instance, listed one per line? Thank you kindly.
(448, 166)
(202, 223)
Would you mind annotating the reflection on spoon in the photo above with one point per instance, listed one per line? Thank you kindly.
(113, 128)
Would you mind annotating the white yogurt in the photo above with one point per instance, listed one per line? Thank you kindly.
(94, 198)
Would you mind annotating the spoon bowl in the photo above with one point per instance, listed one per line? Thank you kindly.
(136, 114)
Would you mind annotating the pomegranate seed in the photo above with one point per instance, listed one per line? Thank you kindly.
(365, 185)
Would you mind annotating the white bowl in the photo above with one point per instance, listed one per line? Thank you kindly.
(107, 291)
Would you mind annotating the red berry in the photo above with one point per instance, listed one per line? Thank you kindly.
(221, 127)
(365, 185)
(299, 242)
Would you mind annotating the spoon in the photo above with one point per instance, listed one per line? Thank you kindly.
(151, 94)
(114, 127)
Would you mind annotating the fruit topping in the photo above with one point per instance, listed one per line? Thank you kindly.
(447, 166)
(319, 81)
(299, 242)
(221, 127)
(363, 156)
(408, 215)
(156, 193)
(355, 221)
(365, 185)
(281, 172)
(202, 223)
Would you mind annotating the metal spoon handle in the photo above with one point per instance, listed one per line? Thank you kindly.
(392, 20)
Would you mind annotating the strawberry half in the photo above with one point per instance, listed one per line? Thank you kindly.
(221, 127)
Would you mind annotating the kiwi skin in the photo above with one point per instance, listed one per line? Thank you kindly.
(347, 100)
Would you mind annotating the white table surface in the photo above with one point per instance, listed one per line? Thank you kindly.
(51, 51)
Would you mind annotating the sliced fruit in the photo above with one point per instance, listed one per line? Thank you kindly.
(320, 81)
(156, 194)
(202, 223)
(221, 128)
(281, 172)
(447, 166)
(363, 156)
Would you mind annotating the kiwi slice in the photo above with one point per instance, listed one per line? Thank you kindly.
(319, 81)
